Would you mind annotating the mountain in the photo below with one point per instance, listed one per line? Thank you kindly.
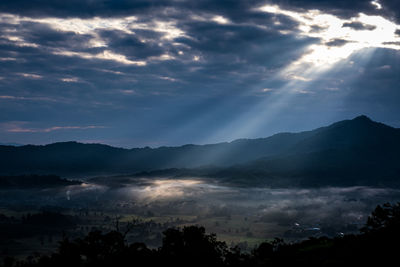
(10, 144)
(347, 152)
(78, 158)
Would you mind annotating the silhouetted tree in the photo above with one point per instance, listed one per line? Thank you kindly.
(384, 216)
(378, 245)
(192, 246)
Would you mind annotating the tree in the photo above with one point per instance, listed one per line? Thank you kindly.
(192, 247)
(385, 216)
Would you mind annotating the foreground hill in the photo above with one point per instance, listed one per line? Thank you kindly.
(350, 152)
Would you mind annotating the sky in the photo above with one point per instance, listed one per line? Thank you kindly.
(166, 73)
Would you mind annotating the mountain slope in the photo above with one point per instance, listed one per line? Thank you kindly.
(340, 149)
(347, 153)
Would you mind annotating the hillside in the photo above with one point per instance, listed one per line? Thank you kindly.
(347, 152)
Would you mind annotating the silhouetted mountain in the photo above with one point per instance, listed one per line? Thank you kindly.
(347, 152)
(10, 144)
(351, 152)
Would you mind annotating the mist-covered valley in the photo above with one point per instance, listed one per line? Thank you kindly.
(145, 207)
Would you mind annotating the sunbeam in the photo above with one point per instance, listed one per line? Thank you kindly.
(319, 60)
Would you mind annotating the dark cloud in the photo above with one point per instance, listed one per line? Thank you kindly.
(341, 8)
(131, 44)
(316, 28)
(391, 43)
(337, 42)
(76, 8)
(391, 9)
(346, 9)
(236, 10)
(359, 26)
(43, 35)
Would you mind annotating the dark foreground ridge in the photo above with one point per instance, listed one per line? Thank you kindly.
(377, 245)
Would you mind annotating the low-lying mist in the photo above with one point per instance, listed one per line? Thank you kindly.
(262, 212)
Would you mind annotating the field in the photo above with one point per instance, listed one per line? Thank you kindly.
(145, 208)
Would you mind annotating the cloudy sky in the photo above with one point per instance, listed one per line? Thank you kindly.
(154, 73)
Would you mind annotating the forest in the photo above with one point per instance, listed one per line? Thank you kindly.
(376, 244)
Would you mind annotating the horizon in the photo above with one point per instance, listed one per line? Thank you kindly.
(180, 145)
(154, 74)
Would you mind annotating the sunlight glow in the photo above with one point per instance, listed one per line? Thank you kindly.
(376, 4)
(166, 188)
(338, 40)
(70, 80)
(18, 129)
(329, 28)
(19, 41)
(31, 76)
(106, 55)
(220, 20)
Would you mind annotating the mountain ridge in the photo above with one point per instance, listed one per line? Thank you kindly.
(321, 151)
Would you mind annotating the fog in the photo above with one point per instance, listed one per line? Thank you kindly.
(222, 208)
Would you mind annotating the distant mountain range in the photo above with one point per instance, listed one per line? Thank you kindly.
(10, 144)
(350, 152)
